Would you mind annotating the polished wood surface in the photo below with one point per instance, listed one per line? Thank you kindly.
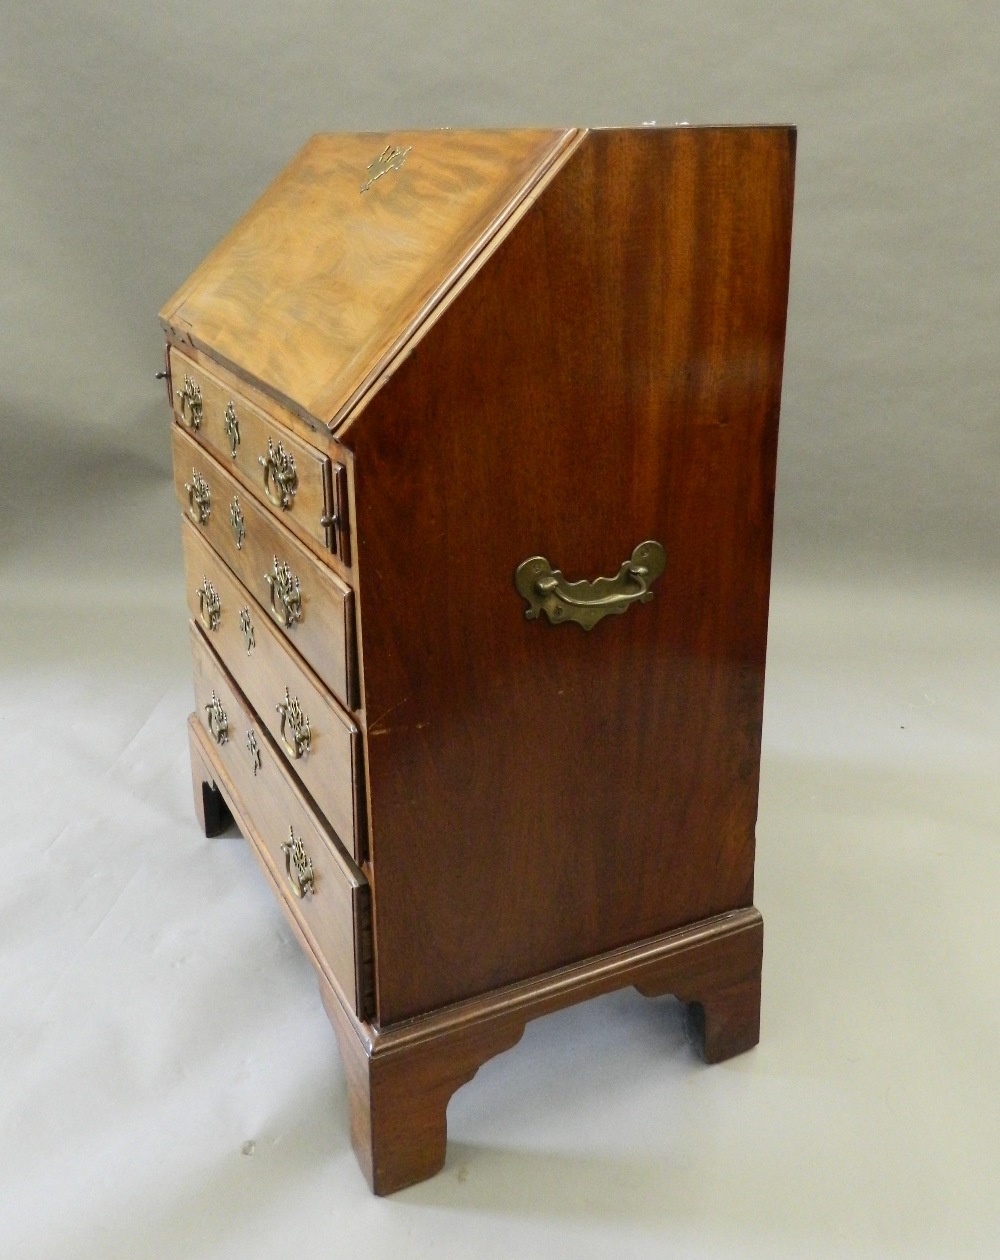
(312, 503)
(539, 793)
(400, 1079)
(324, 633)
(329, 771)
(304, 426)
(528, 344)
(265, 803)
(319, 283)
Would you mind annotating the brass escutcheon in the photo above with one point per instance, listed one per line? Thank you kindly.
(199, 498)
(237, 522)
(292, 716)
(298, 866)
(190, 404)
(280, 478)
(209, 605)
(391, 158)
(286, 593)
(246, 625)
(218, 722)
(231, 427)
(586, 603)
(253, 748)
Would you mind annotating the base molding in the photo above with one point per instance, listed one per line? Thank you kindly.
(401, 1078)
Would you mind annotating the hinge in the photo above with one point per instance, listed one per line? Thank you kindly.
(336, 522)
(164, 375)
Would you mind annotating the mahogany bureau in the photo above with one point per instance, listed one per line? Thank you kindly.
(474, 437)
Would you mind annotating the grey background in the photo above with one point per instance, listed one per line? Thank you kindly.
(155, 1014)
(134, 135)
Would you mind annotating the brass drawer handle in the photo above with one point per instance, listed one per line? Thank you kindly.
(285, 590)
(546, 589)
(231, 427)
(199, 498)
(297, 722)
(280, 478)
(190, 403)
(298, 866)
(218, 722)
(209, 605)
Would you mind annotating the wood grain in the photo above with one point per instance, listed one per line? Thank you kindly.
(538, 793)
(517, 344)
(330, 770)
(401, 1078)
(312, 502)
(265, 804)
(324, 634)
(319, 283)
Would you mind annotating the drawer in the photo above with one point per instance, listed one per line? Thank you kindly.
(295, 480)
(323, 890)
(318, 738)
(308, 603)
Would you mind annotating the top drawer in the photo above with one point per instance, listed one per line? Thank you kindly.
(297, 481)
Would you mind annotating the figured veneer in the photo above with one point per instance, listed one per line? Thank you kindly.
(323, 631)
(319, 284)
(562, 347)
(306, 501)
(267, 804)
(270, 676)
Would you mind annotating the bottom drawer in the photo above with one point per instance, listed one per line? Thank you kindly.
(322, 889)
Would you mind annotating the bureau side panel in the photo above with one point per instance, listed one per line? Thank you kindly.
(611, 374)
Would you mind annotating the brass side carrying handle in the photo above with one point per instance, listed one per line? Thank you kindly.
(292, 716)
(298, 866)
(286, 595)
(546, 589)
(190, 404)
(280, 478)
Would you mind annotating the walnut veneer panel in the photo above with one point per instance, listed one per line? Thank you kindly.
(330, 770)
(539, 793)
(324, 631)
(309, 507)
(320, 283)
(334, 917)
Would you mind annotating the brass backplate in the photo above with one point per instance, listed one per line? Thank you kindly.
(586, 603)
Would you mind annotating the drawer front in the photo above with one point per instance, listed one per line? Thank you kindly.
(319, 740)
(292, 479)
(324, 891)
(308, 603)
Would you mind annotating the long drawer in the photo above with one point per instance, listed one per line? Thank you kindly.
(305, 599)
(318, 738)
(323, 890)
(296, 481)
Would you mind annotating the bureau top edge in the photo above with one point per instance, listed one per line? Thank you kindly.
(325, 279)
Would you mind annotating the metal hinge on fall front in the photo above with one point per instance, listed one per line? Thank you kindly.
(164, 375)
(335, 522)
